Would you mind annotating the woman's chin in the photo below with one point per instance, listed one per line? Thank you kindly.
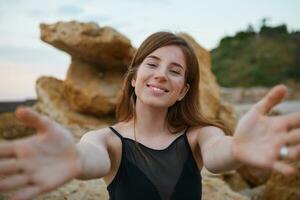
(158, 105)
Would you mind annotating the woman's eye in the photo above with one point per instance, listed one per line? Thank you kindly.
(175, 72)
(151, 65)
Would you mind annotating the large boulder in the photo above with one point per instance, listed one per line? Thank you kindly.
(100, 45)
(90, 90)
(100, 57)
(12, 128)
(52, 102)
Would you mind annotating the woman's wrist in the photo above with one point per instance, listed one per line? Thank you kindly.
(79, 163)
(235, 151)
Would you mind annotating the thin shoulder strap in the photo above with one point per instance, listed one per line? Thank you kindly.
(116, 132)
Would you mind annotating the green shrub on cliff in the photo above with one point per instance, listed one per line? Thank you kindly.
(266, 57)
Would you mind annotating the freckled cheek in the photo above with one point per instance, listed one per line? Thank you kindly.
(178, 84)
(143, 74)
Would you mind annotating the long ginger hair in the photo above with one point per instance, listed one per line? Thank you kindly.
(182, 114)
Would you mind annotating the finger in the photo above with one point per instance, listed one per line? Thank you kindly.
(8, 167)
(294, 153)
(293, 137)
(274, 97)
(26, 193)
(32, 118)
(284, 168)
(7, 149)
(13, 182)
(292, 120)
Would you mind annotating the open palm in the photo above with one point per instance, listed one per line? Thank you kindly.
(259, 137)
(39, 163)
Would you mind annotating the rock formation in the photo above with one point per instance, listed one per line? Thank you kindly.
(103, 46)
(12, 128)
(100, 56)
(53, 103)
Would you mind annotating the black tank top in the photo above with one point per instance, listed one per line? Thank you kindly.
(150, 174)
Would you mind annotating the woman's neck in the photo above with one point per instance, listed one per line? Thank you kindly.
(152, 120)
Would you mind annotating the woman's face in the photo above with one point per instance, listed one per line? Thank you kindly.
(160, 78)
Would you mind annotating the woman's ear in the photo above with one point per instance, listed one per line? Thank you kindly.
(183, 92)
(133, 82)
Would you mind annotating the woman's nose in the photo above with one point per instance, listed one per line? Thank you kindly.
(160, 74)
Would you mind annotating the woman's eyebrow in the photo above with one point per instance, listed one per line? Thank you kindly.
(154, 57)
(157, 58)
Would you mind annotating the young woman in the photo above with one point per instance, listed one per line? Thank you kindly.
(161, 141)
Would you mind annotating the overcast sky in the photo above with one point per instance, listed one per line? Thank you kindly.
(24, 57)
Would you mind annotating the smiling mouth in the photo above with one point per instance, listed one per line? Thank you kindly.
(156, 88)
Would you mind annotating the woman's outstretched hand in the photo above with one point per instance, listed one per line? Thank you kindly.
(259, 138)
(39, 163)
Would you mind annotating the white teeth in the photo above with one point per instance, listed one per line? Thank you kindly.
(156, 89)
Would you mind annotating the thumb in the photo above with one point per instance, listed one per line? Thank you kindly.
(32, 119)
(273, 97)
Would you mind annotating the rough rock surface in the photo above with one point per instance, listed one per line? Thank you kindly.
(100, 56)
(100, 45)
(235, 181)
(75, 190)
(90, 90)
(215, 188)
(254, 176)
(51, 101)
(11, 127)
(280, 187)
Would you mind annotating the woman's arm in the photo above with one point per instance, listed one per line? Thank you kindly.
(257, 141)
(94, 155)
(49, 159)
(216, 150)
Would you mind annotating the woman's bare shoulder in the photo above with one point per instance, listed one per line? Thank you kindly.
(204, 130)
(98, 135)
(106, 134)
(200, 134)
